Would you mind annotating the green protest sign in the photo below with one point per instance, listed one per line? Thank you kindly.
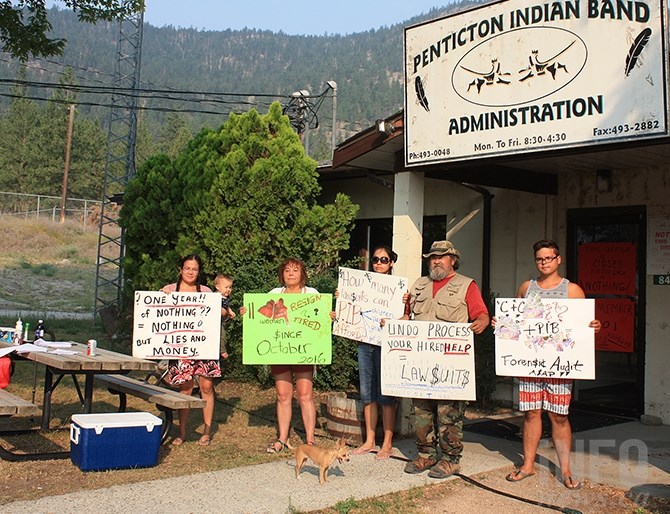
(293, 328)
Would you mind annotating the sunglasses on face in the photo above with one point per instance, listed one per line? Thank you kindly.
(383, 260)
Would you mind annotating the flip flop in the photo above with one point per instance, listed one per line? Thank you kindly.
(204, 440)
(572, 483)
(517, 476)
(383, 454)
(177, 441)
(278, 446)
(361, 450)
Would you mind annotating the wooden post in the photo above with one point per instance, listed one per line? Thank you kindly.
(67, 163)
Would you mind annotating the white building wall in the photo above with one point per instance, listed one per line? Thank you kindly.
(455, 202)
(519, 219)
(374, 200)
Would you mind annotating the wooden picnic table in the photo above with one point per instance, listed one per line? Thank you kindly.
(58, 365)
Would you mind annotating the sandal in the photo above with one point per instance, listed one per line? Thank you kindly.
(384, 454)
(204, 440)
(362, 450)
(177, 441)
(517, 476)
(572, 483)
(277, 447)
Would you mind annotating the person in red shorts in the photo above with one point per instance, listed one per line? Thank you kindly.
(551, 395)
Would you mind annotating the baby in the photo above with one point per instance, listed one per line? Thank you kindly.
(224, 285)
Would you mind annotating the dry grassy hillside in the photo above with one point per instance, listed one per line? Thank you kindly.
(47, 266)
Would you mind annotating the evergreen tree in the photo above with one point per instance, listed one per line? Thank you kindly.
(175, 135)
(243, 196)
(263, 203)
(151, 218)
(18, 132)
(87, 159)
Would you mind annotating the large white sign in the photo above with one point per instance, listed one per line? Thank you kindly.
(428, 359)
(364, 299)
(177, 325)
(519, 76)
(538, 337)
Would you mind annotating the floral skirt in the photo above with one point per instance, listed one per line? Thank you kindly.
(180, 371)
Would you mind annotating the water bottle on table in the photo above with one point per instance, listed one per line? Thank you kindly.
(18, 332)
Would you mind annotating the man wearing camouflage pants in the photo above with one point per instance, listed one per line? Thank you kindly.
(444, 295)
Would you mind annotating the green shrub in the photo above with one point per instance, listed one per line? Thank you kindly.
(47, 270)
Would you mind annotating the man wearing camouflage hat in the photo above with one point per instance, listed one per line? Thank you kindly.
(443, 295)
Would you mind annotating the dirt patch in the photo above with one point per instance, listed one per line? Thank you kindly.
(541, 494)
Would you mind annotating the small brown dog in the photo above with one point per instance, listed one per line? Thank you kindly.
(324, 457)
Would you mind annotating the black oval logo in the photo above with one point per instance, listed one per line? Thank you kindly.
(519, 66)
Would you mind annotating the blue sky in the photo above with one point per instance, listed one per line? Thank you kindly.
(295, 17)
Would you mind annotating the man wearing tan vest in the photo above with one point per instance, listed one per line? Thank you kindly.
(443, 295)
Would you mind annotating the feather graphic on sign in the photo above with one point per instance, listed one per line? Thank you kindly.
(636, 48)
(420, 93)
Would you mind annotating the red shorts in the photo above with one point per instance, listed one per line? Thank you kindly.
(548, 394)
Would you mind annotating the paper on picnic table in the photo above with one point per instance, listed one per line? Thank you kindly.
(29, 347)
(7, 351)
(53, 344)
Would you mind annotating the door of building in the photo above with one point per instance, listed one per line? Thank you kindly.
(606, 255)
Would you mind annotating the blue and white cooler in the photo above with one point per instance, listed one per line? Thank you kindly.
(117, 440)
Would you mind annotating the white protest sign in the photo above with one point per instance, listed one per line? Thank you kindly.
(428, 359)
(364, 299)
(177, 325)
(538, 337)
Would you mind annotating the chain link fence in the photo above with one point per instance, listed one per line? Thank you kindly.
(31, 206)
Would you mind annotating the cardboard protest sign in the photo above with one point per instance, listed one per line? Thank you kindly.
(428, 359)
(285, 328)
(540, 337)
(177, 325)
(365, 298)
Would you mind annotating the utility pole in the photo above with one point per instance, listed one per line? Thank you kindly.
(333, 85)
(68, 144)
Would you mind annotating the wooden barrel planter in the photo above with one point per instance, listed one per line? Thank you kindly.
(344, 418)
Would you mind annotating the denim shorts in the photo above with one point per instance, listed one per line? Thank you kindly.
(370, 374)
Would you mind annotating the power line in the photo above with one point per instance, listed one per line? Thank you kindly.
(139, 92)
(109, 106)
(219, 98)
